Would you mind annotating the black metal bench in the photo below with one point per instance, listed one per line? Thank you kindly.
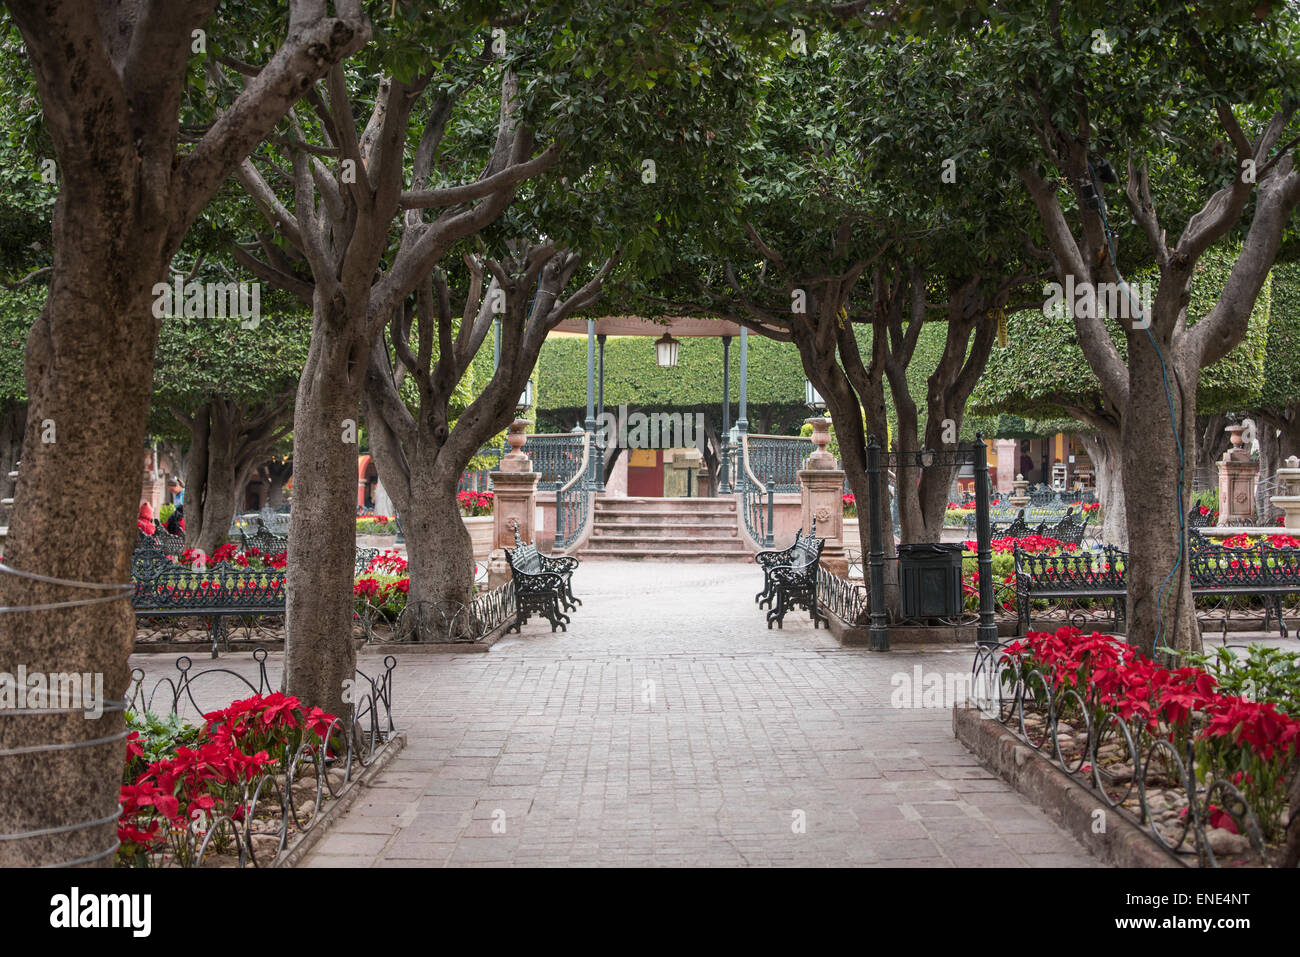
(1267, 573)
(543, 585)
(1215, 571)
(1085, 575)
(165, 589)
(793, 582)
(774, 557)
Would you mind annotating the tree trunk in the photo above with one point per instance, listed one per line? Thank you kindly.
(1104, 448)
(319, 656)
(1160, 608)
(88, 372)
(439, 551)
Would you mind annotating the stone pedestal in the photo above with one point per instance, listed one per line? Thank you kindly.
(1237, 482)
(1019, 492)
(1289, 501)
(821, 498)
(514, 503)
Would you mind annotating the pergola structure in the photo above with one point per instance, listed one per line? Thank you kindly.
(598, 330)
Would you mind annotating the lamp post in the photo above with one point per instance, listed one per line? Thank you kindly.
(525, 399)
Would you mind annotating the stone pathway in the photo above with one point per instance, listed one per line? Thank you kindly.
(669, 726)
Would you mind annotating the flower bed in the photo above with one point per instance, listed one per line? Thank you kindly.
(376, 525)
(1204, 770)
(475, 504)
(382, 586)
(850, 506)
(251, 558)
(194, 794)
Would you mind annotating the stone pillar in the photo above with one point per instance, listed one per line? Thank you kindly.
(1019, 492)
(152, 487)
(1008, 457)
(1237, 482)
(1289, 501)
(821, 494)
(514, 503)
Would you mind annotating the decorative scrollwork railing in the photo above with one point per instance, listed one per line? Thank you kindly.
(573, 499)
(756, 497)
(778, 457)
(557, 457)
(846, 599)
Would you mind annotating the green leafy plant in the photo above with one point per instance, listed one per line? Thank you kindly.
(1264, 674)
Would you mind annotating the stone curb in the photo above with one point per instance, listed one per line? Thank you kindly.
(339, 807)
(1066, 801)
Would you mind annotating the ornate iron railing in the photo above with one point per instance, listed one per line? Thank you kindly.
(756, 495)
(557, 456)
(573, 498)
(848, 600)
(778, 457)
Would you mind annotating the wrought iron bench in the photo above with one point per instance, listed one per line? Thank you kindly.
(1267, 573)
(1216, 572)
(541, 585)
(794, 582)
(162, 539)
(774, 557)
(165, 589)
(1085, 575)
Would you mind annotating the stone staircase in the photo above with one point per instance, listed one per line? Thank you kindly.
(673, 529)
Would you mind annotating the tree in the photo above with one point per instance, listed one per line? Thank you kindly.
(1145, 92)
(854, 236)
(231, 390)
(1042, 373)
(111, 87)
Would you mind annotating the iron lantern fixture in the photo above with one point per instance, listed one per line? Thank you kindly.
(666, 351)
(526, 398)
(812, 398)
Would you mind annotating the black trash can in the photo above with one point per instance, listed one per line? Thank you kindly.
(929, 577)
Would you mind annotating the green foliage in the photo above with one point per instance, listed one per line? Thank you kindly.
(1042, 369)
(1281, 386)
(632, 375)
(1265, 674)
(160, 736)
(199, 359)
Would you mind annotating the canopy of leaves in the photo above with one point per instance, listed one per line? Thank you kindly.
(1042, 369)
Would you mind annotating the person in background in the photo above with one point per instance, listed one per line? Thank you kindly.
(144, 519)
(176, 521)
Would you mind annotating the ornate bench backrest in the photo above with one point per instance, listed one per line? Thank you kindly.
(1080, 571)
(1213, 566)
(221, 586)
(526, 559)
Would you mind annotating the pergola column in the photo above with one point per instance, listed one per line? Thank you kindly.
(742, 423)
(724, 479)
(600, 402)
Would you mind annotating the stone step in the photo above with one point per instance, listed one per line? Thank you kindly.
(634, 538)
(650, 511)
(667, 554)
(663, 520)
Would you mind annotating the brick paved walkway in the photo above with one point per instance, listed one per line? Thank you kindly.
(670, 727)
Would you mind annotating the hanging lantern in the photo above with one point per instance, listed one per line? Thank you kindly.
(812, 399)
(525, 399)
(666, 351)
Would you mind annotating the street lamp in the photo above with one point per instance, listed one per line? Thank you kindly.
(525, 399)
(666, 351)
(812, 398)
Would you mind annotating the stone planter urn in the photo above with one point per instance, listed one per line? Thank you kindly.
(480, 533)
